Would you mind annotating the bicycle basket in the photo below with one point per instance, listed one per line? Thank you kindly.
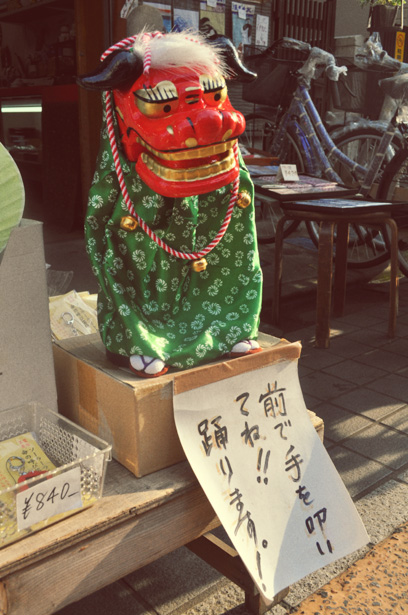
(275, 83)
(359, 91)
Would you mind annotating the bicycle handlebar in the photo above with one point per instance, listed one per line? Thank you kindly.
(291, 43)
(372, 54)
(317, 60)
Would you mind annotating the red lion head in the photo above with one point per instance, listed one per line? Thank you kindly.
(175, 119)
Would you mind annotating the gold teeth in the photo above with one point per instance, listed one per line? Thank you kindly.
(192, 174)
(202, 152)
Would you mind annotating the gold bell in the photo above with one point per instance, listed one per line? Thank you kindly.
(129, 223)
(243, 199)
(200, 265)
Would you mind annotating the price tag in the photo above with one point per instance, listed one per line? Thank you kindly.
(48, 498)
(287, 173)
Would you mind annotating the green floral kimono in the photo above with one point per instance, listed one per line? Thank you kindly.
(151, 303)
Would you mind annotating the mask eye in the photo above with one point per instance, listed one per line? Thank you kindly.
(214, 90)
(157, 101)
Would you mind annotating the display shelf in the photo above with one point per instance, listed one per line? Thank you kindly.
(40, 10)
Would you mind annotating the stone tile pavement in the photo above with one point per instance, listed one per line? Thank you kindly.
(359, 387)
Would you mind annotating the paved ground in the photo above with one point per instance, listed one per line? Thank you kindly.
(359, 387)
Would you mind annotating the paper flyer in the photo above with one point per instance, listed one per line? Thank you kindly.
(212, 17)
(262, 30)
(185, 19)
(268, 476)
(242, 24)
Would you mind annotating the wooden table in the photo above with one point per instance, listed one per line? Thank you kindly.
(137, 521)
(307, 187)
(339, 213)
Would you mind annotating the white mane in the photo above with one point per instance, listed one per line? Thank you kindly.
(182, 49)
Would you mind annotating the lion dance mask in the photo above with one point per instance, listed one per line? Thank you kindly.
(170, 224)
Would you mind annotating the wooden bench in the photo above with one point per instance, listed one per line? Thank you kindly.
(137, 521)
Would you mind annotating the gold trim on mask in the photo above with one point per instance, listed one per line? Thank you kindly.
(209, 84)
(159, 100)
(162, 92)
(214, 89)
(202, 152)
(191, 174)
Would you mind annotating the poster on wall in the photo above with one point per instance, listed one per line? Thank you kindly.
(185, 20)
(165, 11)
(242, 24)
(212, 17)
(261, 31)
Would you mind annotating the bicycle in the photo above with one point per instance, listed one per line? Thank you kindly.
(394, 182)
(321, 153)
(372, 56)
(394, 179)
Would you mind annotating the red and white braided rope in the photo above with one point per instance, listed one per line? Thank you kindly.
(126, 42)
(118, 168)
(147, 59)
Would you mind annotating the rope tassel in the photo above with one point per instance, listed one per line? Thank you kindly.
(127, 42)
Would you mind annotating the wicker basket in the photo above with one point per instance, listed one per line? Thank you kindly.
(359, 91)
(276, 81)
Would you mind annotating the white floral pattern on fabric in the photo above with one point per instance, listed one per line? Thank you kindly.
(154, 304)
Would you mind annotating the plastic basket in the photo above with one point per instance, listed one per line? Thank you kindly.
(275, 83)
(79, 459)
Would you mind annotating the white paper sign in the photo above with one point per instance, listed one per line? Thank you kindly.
(287, 173)
(262, 29)
(51, 497)
(258, 458)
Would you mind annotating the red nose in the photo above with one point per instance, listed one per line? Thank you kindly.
(206, 126)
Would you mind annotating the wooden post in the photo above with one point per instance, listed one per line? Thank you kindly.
(340, 273)
(329, 24)
(226, 560)
(324, 282)
(90, 45)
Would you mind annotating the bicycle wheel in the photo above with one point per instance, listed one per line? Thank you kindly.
(360, 143)
(258, 132)
(267, 216)
(366, 247)
(393, 188)
(259, 135)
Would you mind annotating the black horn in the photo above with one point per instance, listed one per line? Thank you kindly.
(118, 71)
(231, 58)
